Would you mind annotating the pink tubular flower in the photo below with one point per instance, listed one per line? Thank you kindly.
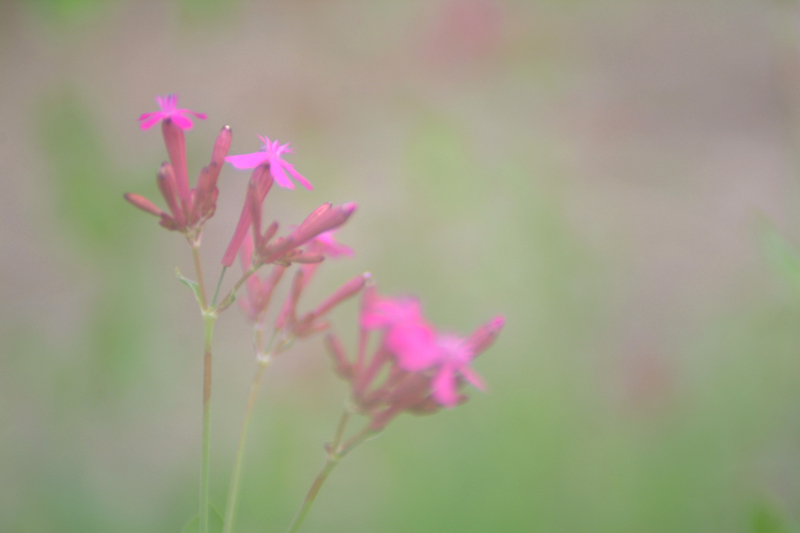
(271, 153)
(169, 111)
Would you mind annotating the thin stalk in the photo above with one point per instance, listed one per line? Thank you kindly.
(208, 319)
(199, 270)
(330, 464)
(208, 332)
(233, 491)
(331, 460)
(219, 284)
(228, 300)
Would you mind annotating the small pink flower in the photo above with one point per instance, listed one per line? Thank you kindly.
(271, 154)
(169, 110)
(408, 335)
(454, 357)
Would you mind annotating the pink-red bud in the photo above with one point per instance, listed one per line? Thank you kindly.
(144, 204)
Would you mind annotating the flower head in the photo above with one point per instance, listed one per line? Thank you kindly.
(169, 111)
(271, 153)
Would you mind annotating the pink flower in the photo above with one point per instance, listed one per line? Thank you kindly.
(454, 357)
(453, 361)
(271, 154)
(169, 111)
(325, 244)
(408, 335)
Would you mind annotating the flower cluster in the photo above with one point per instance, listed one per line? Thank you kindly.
(189, 208)
(414, 368)
(411, 367)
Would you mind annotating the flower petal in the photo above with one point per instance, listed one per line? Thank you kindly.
(280, 176)
(181, 121)
(444, 387)
(473, 377)
(247, 160)
(304, 182)
(151, 121)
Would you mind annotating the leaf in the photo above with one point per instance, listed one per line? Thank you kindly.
(215, 522)
(191, 284)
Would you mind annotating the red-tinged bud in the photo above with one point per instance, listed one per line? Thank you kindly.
(365, 377)
(204, 194)
(176, 148)
(270, 232)
(321, 220)
(315, 214)
(346, 291)
(484, 336)
(221, 146)
(254, 206)
(144, 204)
(288, 314)
(169, 223)
(341, 365)
(168, 188)
(263, 180)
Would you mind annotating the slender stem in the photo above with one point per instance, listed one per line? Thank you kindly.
(228, 300)
(199, 270)
(219, 284)
(331, 460)
(233, 491)
(208, 319)
(365, 434)
(330, 464)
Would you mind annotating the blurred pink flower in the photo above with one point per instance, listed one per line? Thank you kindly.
(169, 110)
(271, 154)
(325, 244)
(408, 335)
(453, 358)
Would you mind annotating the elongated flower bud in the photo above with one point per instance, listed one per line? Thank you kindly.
(484, 336)
(263, 180)
(221, 146)
(348, 290)
(176, 148)
(254, 206)
(341, 365)
(320, 220)
(143, 203)
(168, 188)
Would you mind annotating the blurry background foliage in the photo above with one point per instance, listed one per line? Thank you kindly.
(618, 178)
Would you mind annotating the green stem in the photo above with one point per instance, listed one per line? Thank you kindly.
(331, 460)
(228, 300)
(208, 319)
(199, 270)
(330, 463)
(233, 491)
(219, 284)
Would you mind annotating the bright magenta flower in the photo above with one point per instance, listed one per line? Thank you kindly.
(169, 110)
(271, 154)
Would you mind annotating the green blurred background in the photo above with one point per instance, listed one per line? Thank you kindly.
(618, 178)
